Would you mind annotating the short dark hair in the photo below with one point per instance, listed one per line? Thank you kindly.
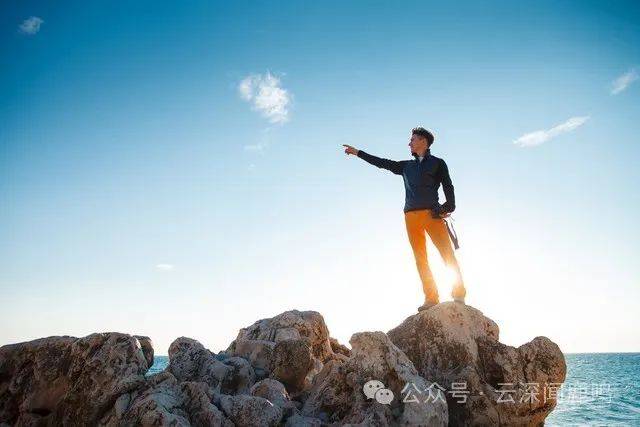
(420, 131)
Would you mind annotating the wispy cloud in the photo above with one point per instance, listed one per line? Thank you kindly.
(624, 81)
(267, 96)
(262, 142)
(258, 146)
(541, 136)
(31, 25)
(164, 267)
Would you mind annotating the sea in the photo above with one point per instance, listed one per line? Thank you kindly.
(601, 389)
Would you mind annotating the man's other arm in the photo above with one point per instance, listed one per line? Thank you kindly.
(447, 186)
(390, 165)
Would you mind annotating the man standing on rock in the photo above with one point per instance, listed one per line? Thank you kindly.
(422, 212)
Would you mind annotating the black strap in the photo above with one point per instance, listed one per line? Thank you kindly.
(452, 233)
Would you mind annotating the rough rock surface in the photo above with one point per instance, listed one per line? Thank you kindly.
(59, 380)
(274, 391)
(337, 392)
(190, 361)
(147, 348)
(292, 362)
(245, 410)
(292, 347)
(239, 378)
(339, 348)
(285, 370)
(163, 401)
(454, 344)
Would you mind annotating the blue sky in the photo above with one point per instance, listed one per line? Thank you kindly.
(143, 191)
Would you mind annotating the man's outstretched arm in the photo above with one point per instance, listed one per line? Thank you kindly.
(391, 165)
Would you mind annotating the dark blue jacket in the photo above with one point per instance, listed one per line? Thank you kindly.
(421, 180)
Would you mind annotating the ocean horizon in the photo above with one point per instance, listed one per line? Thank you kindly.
(601, 389)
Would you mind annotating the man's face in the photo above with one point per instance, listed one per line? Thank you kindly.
(418, 144)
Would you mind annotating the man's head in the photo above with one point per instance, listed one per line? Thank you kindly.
(421, 140)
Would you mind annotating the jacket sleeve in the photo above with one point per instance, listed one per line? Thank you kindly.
(447, 186)
(390, 165)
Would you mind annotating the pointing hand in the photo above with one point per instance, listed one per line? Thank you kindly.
(350, 150)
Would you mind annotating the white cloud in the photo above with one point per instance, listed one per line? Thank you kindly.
(541, 136)
(267, 96)
(164, 267)
(623, 82)
(31, 25)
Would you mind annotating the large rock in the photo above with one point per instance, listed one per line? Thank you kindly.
(163, 401)
(272, 390)
(291, 347)
(239, 378)
(190, 361)
(457, 347)
(147, 348)
(337, 393)
(292, 363)
(66, 380)
(339, 348)
(275, 392)
(251, 411)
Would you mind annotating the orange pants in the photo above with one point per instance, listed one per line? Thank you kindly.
(417, 223)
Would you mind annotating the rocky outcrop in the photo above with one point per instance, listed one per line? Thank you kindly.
(246, 410)
(291, 347)
(164, 401)
(484, 382)
(59, 380)
(190, 361)
(339, 348)
(337, 393)
(284, 370)
(147, 348)
(274, 391)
